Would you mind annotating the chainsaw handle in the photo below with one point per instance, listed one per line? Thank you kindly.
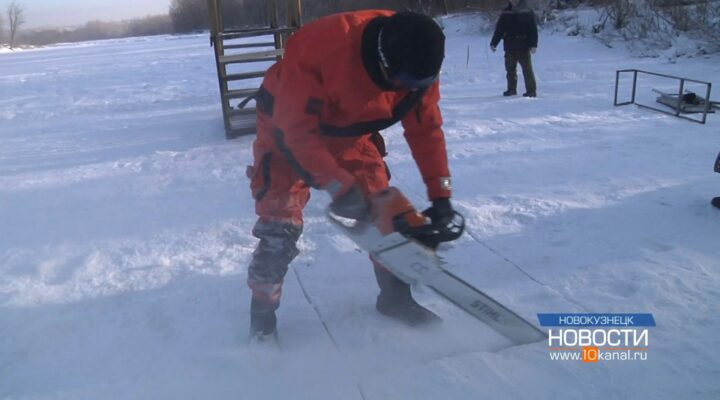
(431, 235)
(455, 228)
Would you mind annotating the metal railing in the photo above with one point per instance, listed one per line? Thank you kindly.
(681, 90)
(238, 117)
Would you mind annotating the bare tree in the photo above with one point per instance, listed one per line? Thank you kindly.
(188, 15)
(427, 7)
(2, 28)
(16, 17)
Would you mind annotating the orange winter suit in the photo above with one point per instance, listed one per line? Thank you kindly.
(320, 110)
(319, 114)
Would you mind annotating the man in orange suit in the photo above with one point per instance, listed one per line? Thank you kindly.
(343, 79)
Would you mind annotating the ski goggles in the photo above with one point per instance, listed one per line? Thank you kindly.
(409, 82)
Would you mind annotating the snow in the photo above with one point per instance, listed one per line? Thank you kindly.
(125, 222)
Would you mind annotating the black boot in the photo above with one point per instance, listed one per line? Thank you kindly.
(509, 92)
(263, 322)
(530, 94)
(716, 202)
(395, 301)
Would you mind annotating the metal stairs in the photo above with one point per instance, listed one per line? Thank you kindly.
(242, 56)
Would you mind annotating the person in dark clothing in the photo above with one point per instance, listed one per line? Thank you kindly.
(517, 28)
(716, 200)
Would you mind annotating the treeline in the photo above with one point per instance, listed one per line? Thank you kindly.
(631, 17)
(191, 15)
(98, 30)
(186, 16)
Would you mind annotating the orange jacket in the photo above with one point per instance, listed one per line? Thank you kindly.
(322, 89)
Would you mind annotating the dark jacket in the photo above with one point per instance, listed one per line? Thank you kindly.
(517, 28)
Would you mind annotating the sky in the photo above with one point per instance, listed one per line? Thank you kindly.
(126, 219)
(49, 13)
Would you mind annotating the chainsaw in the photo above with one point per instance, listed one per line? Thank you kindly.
(404, 241)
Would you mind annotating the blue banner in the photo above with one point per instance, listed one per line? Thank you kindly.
(599, 320)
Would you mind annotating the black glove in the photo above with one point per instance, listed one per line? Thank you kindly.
(352, 204)
(441, 213)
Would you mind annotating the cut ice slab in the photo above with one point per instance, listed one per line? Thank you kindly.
(418, 265)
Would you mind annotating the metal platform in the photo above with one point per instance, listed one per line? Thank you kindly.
(676, 101)
(688, 103)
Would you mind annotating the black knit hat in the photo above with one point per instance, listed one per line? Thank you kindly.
(412, 44)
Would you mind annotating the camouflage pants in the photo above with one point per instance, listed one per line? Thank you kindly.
(272, 256)
(276, 249)
(512, 58)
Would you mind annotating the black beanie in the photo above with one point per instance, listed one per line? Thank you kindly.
(414, 44)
